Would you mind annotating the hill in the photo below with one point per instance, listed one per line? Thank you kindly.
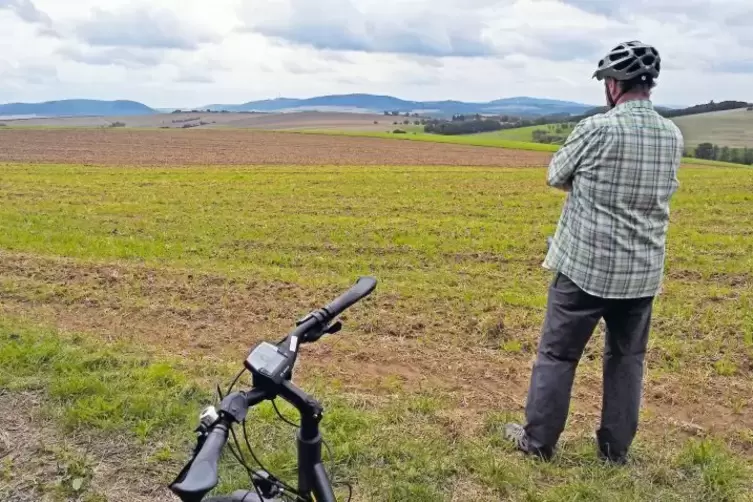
(526, 106)
(732, 128)
(75, 107)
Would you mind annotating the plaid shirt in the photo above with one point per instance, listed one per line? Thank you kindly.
(620, 169)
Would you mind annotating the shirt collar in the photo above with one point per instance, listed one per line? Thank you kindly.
(635, 103)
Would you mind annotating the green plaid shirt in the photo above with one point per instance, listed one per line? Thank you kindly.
(620, 169)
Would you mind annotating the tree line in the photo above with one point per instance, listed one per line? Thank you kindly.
(709, 151)
(471, 124)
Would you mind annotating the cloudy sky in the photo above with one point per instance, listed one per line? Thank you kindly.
(169, 53)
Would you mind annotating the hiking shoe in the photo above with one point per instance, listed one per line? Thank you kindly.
(517, 434)
(606, 455)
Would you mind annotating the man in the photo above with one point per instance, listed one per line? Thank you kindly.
(620, 171)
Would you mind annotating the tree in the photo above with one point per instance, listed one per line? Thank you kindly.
(724, 155)
(715, 155)
(748, 156)
(735, 155)
(704, 151)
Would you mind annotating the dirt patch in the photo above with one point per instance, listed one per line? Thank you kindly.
(39, 463)
(387, 345)
(217, 147)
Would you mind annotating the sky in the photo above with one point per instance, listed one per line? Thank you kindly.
(178, 53)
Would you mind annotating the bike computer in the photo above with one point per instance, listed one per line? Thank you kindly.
(269, 362)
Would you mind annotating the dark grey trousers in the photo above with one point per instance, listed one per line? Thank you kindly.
(571, 318)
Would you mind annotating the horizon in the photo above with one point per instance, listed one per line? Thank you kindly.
(171, 53)
(447, 99)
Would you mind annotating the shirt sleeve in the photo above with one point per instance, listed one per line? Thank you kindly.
(567, 159)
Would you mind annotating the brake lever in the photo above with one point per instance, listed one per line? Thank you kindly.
(329, 330)
(333, 328)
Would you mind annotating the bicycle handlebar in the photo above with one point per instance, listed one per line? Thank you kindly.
(363, 287)
(200, 475)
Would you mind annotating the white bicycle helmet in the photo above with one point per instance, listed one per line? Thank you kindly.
(628, 61)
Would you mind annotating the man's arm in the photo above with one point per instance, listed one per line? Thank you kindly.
(567, 159)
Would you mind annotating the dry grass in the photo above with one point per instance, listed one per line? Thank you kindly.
(733, 128)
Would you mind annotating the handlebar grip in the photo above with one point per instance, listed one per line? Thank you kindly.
(363, 287)
(201, 476)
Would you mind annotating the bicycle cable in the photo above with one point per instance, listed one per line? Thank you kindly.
(242, 461)
(279, 481)
(239, 454)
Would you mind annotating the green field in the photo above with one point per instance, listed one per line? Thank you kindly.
(491, 139)
(127, 293)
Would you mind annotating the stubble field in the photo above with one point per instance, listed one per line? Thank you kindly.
(131, 286)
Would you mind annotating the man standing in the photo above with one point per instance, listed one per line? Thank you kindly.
(620, 171)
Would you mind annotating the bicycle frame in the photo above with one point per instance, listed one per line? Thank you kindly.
(313, 480)
(271, 367)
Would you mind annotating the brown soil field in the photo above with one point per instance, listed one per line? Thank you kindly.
(292, 120)
(138, 304)
(225, 147)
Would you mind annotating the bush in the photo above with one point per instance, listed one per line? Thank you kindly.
(117, 124)
(458, 126)
(398, 131)
(705, 151)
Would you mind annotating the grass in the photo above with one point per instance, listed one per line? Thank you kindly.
(457, 252)
(398, 449)
(481, 139)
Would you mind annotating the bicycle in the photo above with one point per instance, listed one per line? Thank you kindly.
(271, 368)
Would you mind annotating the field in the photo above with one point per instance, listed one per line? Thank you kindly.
(733, 128)
(216, 147)
(281, 121)
(138, 267)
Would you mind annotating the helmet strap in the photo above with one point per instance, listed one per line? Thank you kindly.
(612, 102)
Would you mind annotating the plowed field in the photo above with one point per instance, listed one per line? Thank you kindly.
(216, 147)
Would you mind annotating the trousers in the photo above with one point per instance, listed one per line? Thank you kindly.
(571, 318)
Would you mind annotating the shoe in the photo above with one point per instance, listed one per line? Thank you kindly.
(606, 455)
(517, 434)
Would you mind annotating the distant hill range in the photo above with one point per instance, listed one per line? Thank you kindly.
(369, 103)
(520, 106)
(75, 108)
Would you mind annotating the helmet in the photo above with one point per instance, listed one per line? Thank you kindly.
(628, 61)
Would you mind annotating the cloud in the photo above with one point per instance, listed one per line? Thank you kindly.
(142, 27)
(743, 66)
(438, 29)
(119, 56)
(27, 11)
(31, 73)
(178, 52)
(195, 78)
(643, 8)
(602, 7)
